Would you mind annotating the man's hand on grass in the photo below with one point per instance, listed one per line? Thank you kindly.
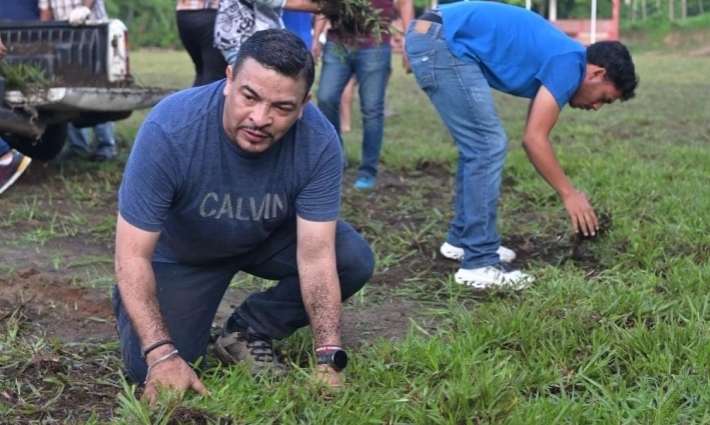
(173, 375)
(580, 211)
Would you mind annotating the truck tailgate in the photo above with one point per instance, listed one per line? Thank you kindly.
(88, 98)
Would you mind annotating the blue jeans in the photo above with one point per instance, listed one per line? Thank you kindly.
(4, 147)
(79, 140)
(190, 295)
(371, 67)
(464, 100)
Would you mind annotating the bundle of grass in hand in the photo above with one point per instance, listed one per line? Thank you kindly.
(352, 20)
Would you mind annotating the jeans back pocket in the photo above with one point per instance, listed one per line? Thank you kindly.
(422, 64)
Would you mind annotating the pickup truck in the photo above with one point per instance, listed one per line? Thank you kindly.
(85, 79)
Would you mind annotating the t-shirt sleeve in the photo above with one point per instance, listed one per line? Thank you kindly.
(319, 200)
(562, 75)
(150, 180)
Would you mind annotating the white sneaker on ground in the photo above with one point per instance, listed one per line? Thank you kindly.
(455, 253)
(499, 275)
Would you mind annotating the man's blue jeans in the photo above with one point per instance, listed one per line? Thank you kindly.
(371, 67)
(190, 295)
(463, 99)
(79, 140)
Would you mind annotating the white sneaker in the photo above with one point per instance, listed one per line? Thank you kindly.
(455, 253)
(499, 275)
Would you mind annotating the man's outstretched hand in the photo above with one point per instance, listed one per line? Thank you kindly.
(173, 375)
(580, 211)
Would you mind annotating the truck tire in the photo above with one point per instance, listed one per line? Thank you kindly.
(47, 147)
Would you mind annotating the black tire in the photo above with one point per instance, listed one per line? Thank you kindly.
(47, 147)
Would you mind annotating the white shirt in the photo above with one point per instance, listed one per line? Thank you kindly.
(62, 8)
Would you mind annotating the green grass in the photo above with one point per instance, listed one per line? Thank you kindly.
(623, 342)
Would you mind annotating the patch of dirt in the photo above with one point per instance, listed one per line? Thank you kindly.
(73, 313)
(67, 312)
(702, 51)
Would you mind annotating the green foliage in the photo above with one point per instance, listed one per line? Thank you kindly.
(22, 76)
(352, 18)
(150, 22)
(696, 22)
(656, 23)
(654, 30)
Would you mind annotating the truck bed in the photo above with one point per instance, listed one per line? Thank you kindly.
(69, 56)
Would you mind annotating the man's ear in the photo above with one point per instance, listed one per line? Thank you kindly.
(599, 73)
(305, 101)
(228, 85)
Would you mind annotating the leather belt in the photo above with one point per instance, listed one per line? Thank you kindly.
(431, 17)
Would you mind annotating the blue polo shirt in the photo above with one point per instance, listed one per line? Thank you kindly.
(518, 49)
(19, 10)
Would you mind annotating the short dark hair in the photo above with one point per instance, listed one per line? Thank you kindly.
(280, 50)
(615, 58)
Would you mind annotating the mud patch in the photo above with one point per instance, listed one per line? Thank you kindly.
(64, 311)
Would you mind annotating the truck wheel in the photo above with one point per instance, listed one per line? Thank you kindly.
(48, 146)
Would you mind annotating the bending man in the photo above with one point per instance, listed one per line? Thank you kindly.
(460, 53)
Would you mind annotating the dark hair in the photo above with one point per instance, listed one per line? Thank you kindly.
(280, 50)
(615, 58)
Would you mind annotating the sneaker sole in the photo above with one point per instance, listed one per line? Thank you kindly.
(24, 163)
(515, 286)
(457, 255)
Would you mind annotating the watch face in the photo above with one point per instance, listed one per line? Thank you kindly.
(340, 359)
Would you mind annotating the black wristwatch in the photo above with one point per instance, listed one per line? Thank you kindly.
(337, 359)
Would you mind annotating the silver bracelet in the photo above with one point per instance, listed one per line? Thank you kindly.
(159, 360)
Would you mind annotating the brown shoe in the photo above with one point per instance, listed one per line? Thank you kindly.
(250, 347)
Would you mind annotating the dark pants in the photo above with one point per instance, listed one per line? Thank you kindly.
(196, 29)
(190, 295)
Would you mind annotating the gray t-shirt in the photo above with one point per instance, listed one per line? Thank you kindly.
(211, 200)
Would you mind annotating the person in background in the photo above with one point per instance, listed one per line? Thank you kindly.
(346, 106)
(459, 54)
(346, 101)
(195, 22)
(237, 20)
(77, 12)
(12, 162)
(370, 63)
(301, 23)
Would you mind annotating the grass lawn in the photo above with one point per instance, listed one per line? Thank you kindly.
(614, 331)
